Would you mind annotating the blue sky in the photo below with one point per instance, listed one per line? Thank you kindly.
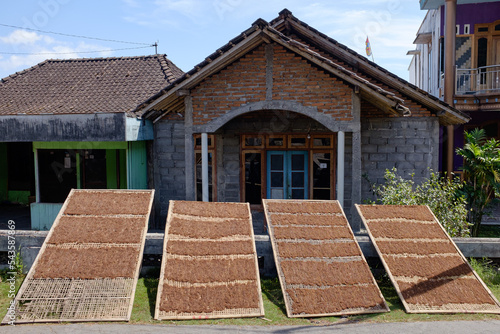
(189, 30)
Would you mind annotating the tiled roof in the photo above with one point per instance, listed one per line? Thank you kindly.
(86, 86)
(346, 61)
(379, 75)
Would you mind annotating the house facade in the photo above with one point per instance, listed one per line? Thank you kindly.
(475, 67)
(284, 111)
(281, 111)
(68, 124)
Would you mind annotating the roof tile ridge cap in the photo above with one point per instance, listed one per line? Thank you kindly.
(164, 66)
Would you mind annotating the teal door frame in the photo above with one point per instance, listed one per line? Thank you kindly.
(287, 175)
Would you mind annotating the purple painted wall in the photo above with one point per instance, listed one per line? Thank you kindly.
(487, 12)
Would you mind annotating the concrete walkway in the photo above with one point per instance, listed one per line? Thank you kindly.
(442, 327)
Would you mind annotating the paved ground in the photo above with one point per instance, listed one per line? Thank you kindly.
(441, 327)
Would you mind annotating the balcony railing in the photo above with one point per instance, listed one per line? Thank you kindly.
(484, 79)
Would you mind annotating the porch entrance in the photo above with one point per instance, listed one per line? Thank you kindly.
(287, 166)
(287, 175)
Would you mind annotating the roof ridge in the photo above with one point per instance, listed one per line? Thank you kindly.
(52, 60)
(102, 58)
(19, 73)
(168, 67)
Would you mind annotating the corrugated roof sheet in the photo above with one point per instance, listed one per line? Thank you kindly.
(86, 86)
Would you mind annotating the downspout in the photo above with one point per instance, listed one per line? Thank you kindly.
(449, 74)
(340, 167)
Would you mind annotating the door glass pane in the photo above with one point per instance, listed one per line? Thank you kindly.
(276, 162)
(276, 193)
(277, 179)
(321, 175)
(298, 161)
(297, 193)
(298, 179)
(253, 178)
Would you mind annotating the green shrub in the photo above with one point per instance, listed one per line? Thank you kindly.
(440, 194)
(482, 175)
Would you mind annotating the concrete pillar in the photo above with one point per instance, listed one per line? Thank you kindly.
(340, 166)
(356, 181)
(204, 166)
(189, 149)
(356, 164)
(449, 73)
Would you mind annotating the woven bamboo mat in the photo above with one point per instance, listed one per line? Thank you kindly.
(57, 297)
(321, 268)
(427, 269)
(220, 277)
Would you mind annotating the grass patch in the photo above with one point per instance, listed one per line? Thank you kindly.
(275, 313)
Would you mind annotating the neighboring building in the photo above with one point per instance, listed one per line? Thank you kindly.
(69, 124)
(284, 111)
(476, 76)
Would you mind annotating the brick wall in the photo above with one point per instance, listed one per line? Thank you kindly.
(244, 81)
(294, 78)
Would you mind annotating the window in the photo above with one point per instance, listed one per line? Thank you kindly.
(297, 141)
(251, 141)
(322, 141)
(482, 58)
(197, 141)
(322, 169)
(276, 141)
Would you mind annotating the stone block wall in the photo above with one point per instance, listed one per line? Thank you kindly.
(228, 167)
(409, 144)
(169, 167)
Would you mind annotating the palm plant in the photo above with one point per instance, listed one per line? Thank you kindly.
(481, 174)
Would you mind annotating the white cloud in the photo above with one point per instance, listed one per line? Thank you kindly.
(25, 37)
(167, 12)
(28, 49)
(132, 3)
